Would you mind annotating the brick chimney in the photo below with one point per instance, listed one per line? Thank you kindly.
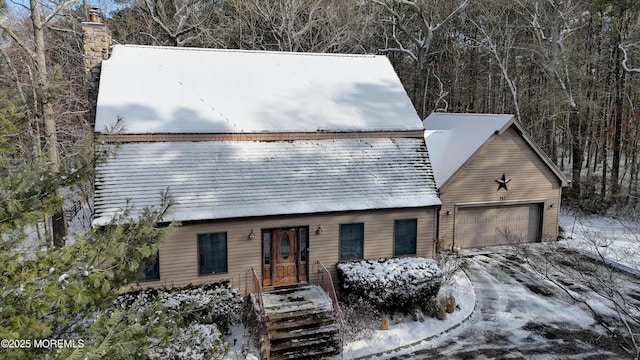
(97, 47)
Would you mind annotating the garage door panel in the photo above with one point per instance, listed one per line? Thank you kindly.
(485, 226)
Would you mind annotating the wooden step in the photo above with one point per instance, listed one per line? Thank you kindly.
(324, 343)
(300, 323)
(323, 353)
(282, 316)
(304, 333)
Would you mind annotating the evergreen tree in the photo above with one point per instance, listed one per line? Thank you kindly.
(66, 293)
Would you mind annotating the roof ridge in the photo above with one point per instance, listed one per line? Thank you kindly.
(266, 52)
(470, 114)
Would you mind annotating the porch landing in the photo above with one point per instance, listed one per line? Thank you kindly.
(296, 298)
(301, 323)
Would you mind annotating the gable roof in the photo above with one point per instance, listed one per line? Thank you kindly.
(452, 139)
(228, 179)
(189, 90)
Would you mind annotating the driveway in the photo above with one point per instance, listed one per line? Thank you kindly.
(544, 308)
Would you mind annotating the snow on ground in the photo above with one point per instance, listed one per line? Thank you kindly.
(410, 333)
(239, 341)
(504, 307)
(614, 239)
(519, 315)
(407, 334)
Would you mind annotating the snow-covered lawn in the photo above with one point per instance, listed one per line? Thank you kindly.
(614, 239)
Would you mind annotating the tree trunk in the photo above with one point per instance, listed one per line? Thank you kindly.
(618, 107)
(617, 135)
(48, 118)
(603, 184)
(576, 150)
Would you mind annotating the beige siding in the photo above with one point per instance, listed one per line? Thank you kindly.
(178, 254)
(531, 181)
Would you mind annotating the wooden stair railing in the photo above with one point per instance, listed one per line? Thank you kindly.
(326, 283)
(262, 314)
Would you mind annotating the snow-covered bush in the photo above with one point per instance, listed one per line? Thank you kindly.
(193, 319)
(394, 284)
(216, 303)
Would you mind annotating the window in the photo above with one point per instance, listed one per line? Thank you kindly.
(303, 244)
(351, 241)
(152, 267)
(266, 247)
(405, 234)
(212, 253)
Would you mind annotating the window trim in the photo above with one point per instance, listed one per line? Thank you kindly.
(226, 254)
(395, 237)
(340, 257)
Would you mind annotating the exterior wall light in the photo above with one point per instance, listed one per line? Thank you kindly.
(319, 230)
(252, 235)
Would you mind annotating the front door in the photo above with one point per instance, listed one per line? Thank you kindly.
(284, 250)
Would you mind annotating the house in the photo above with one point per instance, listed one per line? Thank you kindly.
(496, 185)
(276, 162)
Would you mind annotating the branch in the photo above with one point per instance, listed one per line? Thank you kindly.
(453, 13)
(18, 41)
(159, 21)
(400, 50)
(441, 95)
(624, 61)
(14, 2)
(71, 31)
(409, 3)
(58, 8)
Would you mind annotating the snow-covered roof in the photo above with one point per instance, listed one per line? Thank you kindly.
(452, 139)
(189, 90)
(228, 179)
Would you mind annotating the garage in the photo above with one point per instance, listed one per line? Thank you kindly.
(494, 225)
(496, 185)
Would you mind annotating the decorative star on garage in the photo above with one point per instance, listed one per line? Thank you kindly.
(502, 183)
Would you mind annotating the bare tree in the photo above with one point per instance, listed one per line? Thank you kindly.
(302, 25)
(170, 23)
(497, 29)
(625, 59)
(552, 24)
(574, 271)
(42, 13)
(413, 25)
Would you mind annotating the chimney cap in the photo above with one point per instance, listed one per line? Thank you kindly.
(95, 15)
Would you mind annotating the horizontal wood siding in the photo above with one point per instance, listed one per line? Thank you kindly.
(531, 179)
(179, 258)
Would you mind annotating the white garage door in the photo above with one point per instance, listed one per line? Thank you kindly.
(497, 225)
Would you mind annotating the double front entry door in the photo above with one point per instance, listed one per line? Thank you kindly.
(284, 259)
